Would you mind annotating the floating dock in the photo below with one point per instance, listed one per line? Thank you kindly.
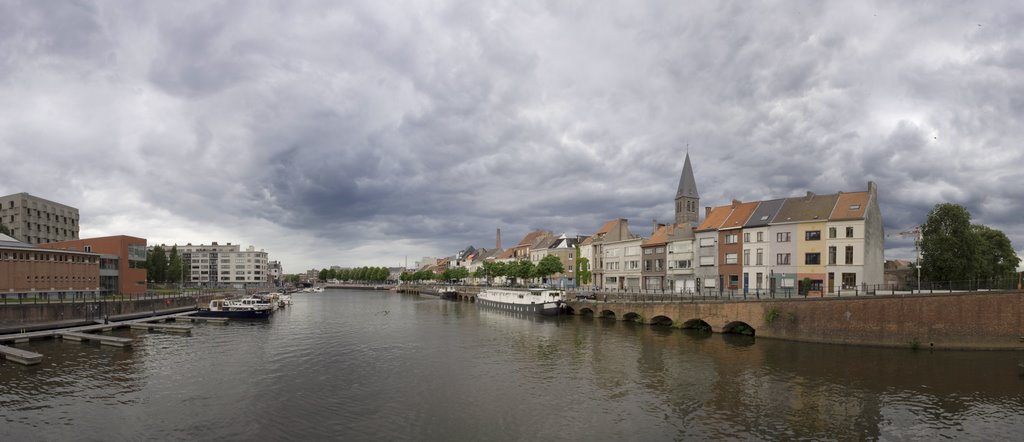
(113, 341)
(20, 356)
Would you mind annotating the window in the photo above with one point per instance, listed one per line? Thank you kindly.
(648, 251)
(658, 265)
(760, 236)
(782, 237)
(731, 238)
(746, 257)
(849, 255)
(632, 250)
(831, 232)
(647, 265)
(706, 261)
(812, 259)
(854, 206)
(709, 282)
(832, 256)
(683, 264)
(730, 258)
(757, 280)
(812, 235)
(707, 242)
(849, 280)
(782, 259)
(632, 265)
(734, 281)
(760, 257)
(746, 237)
(659, 250)
(849, 232)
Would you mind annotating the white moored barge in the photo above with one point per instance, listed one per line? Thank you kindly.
(541, 301)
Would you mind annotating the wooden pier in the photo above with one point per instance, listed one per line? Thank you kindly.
(20, 356)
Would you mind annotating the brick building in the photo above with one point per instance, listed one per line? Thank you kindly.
(122, 261)
(27, 270)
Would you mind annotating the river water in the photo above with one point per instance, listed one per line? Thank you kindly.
(363, 365)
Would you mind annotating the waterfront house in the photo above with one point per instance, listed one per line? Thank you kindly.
(730, 245)
(757, 250)
(706, 241)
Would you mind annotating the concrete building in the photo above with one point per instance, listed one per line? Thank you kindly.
(122, 261)
(35, 220)
(224, 265)
(27, 270)
(593, 248)
(276, 272)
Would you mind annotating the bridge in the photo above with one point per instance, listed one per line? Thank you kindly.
(956, 320)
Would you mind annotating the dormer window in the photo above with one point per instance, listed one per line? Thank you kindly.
(854, 206)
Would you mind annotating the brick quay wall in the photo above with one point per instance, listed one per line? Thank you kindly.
(975, 320)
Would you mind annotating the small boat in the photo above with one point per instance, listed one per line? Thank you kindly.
(448, 293)
(318, 289)
(540, 301)
(284, 300)
(245, 308)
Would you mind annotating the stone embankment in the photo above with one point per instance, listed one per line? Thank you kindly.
(16, 318)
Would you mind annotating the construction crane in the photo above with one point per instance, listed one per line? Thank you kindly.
(916, 234)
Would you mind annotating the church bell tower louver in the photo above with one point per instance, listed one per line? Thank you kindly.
(687, 198)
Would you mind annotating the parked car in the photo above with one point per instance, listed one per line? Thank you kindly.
(585, 295)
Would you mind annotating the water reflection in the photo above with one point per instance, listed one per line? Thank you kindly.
(362, 365)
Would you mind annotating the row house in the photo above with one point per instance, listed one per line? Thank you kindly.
(564, 248)
(834, 241)
(601, 246)
(668, 257)
(679, 275)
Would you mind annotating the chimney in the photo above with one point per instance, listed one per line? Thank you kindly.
(654, 223)
(736, 203)
(215, 243)
(707, 211)
(497, 243)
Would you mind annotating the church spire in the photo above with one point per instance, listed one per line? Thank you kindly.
(687, 184)
(687, 198)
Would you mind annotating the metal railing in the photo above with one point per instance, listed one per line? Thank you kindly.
(641, 295)
(77, 298)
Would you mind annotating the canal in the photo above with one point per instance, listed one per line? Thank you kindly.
(364, 365)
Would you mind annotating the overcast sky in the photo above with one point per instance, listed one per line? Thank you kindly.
(364, 132)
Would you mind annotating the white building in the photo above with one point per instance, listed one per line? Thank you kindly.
(216, 264)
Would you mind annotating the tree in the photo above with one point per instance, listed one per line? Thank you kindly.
(548, 265)
(949, 245)
(996, 257)
(4, 230)
(156, 264)
(322, 275)
(175, 266)
(520, 269)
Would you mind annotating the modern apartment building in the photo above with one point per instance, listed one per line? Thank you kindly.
(35, 220)
(215, 264)
(122, 261)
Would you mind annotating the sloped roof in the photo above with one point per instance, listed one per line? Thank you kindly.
(687, 184)
(715, 219)
(658, 237)
(507, 254)
(545, 242)
(849, 206)
(608, 226)
(740, 214)
(7, 241)
(533, 237)
(764, 213)
(806, 208)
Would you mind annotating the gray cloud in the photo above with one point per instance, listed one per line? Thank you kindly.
(362, 133)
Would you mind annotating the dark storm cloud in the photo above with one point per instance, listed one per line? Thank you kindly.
(373, 130)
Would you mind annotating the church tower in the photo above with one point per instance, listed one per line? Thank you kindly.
(687, 199)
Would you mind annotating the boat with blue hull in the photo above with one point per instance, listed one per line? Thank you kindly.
(538, 301)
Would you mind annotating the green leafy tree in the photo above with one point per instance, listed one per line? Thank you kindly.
(548, 265)
(156, 264)
(322, 275)
(522, 269)
(4, 230)
(996, 257)
(175, 266)
(949, 245)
